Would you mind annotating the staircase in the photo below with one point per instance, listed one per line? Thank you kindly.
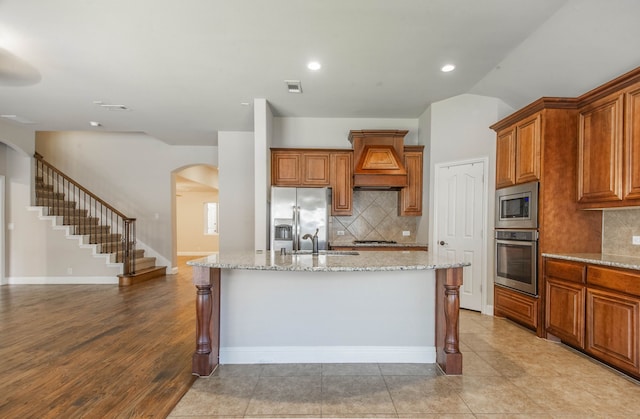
(98, 223)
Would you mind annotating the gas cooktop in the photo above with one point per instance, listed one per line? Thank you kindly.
(374, 242)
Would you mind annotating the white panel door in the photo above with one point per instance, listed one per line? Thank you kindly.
(459, 224)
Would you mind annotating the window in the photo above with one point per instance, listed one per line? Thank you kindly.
(210, 218)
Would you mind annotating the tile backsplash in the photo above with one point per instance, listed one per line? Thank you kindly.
(618, 226)
(375, 217)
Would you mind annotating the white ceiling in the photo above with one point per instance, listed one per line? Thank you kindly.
(184, 67)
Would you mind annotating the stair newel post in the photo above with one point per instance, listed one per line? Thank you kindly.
(129, 245)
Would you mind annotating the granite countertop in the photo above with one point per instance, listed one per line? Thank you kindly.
(342, 262)
(352, 244)
(614, 261)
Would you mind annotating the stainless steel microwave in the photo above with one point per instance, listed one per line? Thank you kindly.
(517, 206)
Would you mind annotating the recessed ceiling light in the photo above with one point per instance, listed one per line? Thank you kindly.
(244, 103)
(17, 118)
(95, 124)
(314, 66)
(447, 67)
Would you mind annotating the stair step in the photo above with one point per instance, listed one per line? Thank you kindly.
(93, 229)
(49, 194)
(111, 247)
(145, 263)
(142, 275)
(64, 211)
(57, 203)
(43, 187)
(104, 238)
(79, 220)
(120, 255)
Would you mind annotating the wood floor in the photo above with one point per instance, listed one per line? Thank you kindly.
(96, 351)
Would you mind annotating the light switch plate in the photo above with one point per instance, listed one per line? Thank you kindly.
(635, 240)
(340, 232)
(406, 233)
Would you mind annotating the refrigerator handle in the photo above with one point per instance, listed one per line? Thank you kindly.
(294, 231)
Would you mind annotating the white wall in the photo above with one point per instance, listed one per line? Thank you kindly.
(130, 171)
(333, 132)
(459, 130)
(190, 221)
(263, 131)
(269, 316)
(236, 176)
(18, 137)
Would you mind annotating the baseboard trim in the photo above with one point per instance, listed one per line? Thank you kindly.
(327, 354)
(195, 253)
(62, 280)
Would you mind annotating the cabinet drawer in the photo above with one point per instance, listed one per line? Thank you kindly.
(620, 280)
(569, 271)
(516, 306)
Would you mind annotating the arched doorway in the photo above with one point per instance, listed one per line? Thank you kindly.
(195, 206)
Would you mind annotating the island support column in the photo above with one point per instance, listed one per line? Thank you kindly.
(205, 358)
(448, 356)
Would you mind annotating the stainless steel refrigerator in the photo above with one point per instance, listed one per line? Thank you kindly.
(296, 212)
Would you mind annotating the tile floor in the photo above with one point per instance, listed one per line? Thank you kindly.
(508, 373)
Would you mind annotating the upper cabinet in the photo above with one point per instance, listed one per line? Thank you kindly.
(410, 197)
(294, 167)
(609, 145)
(310, 168)
(518, 152)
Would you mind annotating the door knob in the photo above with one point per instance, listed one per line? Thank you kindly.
(443, 243)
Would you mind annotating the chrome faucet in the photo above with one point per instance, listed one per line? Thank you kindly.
(314, 241)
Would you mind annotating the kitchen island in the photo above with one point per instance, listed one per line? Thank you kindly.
(266, 307)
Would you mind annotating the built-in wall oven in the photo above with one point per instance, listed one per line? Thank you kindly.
(516, 237)
(517, 260)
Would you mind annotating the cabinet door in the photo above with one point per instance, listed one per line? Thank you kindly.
(341, 175)
(612, 328)
(286, 169)
(528, 149)
(632, 143)
(600, 150)
(564, 311)
(410, 197)
(315, 168)
(505, 158)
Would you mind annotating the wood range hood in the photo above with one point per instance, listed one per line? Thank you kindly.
(378, 157)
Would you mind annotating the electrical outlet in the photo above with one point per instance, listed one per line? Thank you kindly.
(69, 271)
(406, 233)
(340, 232)
(635, 240)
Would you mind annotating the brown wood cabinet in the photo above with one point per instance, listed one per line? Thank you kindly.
(310, 168)
(547, 133)
(301, 168)
(609, 144)
(516, 306)
(565, 299)
(341, 178)
(595, 309)
(518, 152)
(600, 150)
(410, 197)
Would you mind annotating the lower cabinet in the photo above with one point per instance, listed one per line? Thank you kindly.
(596, 309)
(516, 306)
(612, 329)
(564, 296)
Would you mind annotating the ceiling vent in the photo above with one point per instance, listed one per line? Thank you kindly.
(111, 107)
(378, 159)
(293, 86)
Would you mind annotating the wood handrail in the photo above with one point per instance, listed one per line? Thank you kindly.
(85, 190)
